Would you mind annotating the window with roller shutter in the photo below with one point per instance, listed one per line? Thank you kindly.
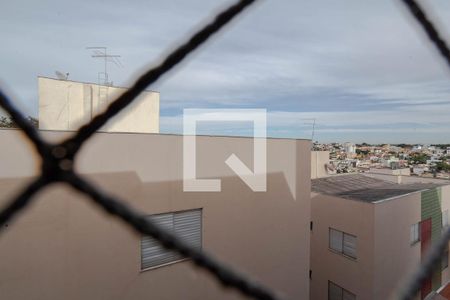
(187, 225)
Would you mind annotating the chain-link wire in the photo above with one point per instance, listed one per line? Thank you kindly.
(57, 162)
(434, 254)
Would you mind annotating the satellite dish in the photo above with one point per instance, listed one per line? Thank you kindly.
(62, 76)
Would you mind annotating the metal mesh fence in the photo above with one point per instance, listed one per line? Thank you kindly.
(433, 257)
(57, 161)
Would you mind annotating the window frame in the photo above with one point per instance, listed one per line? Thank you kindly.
(342, 290)
(411, 234)
(445, 223)
(181, 259)
(341, 251)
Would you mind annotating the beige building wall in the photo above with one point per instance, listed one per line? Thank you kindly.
(63, 247)
(354, 275)
(66, 105)
(385, 256)
(445, 204)
(394, 256)
(388, 171)
(319, 160)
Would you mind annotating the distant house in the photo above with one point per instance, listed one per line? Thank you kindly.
(419, 170)
(368, 234)
(350, 149)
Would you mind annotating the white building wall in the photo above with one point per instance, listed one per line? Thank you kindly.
(319, 162)
(66, 105)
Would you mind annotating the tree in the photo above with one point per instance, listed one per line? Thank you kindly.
(362, 152)
(418, 158)
(404, 145)
(8, 122)
(443, 166)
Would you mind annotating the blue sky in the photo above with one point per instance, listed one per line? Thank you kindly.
(362, 69)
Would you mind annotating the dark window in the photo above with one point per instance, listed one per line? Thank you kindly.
(444, 260)
(342, 242)
(335, 292)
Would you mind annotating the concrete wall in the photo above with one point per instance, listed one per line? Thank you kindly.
(384, 253)
(445, 204)
(354, 275)
(66, 105)
(319, 160)
(407, 179)
(387, 171)
(394, 256)
(63, 247)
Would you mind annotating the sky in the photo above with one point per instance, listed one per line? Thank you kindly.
(363, 70)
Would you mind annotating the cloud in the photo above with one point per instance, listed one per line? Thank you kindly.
(411, 125)
(350, 64)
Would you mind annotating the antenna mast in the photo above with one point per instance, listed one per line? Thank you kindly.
(101, 52)
(312, 122)
(103, 78)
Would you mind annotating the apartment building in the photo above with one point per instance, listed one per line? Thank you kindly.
(368, 234)
(64, 247)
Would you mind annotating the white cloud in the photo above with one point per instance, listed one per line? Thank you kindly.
(352, 64)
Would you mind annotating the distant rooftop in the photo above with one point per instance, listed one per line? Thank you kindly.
(94, 83)
(364, 188)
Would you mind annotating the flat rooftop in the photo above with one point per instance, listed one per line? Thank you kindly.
(364, 188)
(158, 133)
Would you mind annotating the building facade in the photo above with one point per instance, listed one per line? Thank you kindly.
(66, 105)
(369, 234)
(320, 164)
(64, 247)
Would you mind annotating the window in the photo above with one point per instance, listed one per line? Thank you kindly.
(444, 260)
(335, 292)
(187, 225)
(415, 233)
(445, 218)
(342, 242)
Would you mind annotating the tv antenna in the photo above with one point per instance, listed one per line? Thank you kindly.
(101, 52)
(312, 122)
